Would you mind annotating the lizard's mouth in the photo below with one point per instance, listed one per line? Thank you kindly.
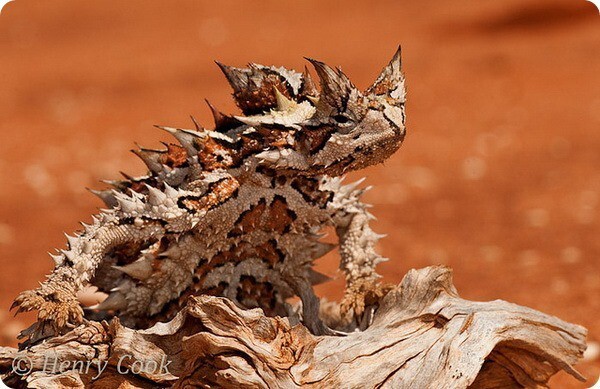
(359, 159)
(373, 154)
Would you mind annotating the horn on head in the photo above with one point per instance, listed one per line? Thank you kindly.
(335, 85)
(391, 80)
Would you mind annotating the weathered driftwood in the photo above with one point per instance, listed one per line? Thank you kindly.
(422, 336)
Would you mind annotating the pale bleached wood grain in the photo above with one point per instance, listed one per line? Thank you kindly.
(422, 336)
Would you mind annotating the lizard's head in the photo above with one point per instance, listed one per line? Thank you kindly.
(360, 128)
(307, 131)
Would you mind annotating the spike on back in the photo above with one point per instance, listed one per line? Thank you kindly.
(150, 157)
(253, 86)
(223, 122)
(196, 124)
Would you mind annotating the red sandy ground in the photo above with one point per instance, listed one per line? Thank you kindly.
(499, 176)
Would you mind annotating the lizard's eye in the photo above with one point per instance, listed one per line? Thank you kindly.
(341, 119)
(345, 124)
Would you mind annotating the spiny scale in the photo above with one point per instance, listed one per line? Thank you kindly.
(236, 211)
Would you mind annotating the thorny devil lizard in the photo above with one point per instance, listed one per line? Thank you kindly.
(237, 211)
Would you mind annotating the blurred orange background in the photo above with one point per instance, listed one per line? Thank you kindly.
(499, 176)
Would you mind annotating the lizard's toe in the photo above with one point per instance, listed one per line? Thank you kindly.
(362, 294)
(59, 308)
(26, 301)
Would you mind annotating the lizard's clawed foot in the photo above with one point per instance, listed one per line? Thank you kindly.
(58, 307)
(361, 298)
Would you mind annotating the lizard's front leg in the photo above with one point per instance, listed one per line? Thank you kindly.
(56, 298)
(357, 250)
